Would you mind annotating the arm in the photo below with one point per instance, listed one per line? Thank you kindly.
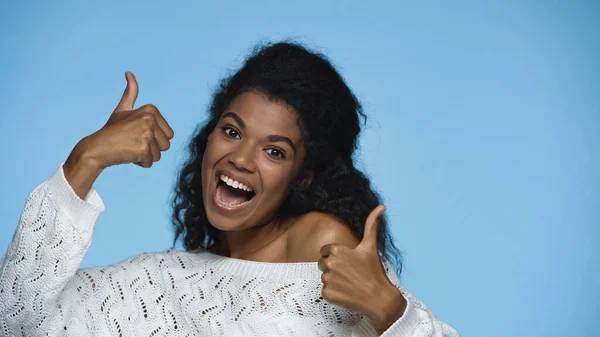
(53, 234)
(42, 291)
(356, 277)
(416, 320)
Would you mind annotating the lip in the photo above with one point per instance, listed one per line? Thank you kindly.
(228, 209)
(234, 177)
(235, 209)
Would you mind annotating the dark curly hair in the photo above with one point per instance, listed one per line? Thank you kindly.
(329, 117)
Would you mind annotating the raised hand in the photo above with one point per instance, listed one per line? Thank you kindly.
(355, 278)
(129, 136)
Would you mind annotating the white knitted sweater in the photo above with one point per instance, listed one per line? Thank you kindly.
(172, 293)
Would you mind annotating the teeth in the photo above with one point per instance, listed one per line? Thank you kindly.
(234, 184)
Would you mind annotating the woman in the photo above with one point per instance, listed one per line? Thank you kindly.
(281, 231)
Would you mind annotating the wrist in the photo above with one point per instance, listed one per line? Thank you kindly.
(390, 307)
(87, 153)
(82, 168)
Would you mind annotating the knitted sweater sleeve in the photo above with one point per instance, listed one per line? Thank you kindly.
(416, 321)
(42, 290)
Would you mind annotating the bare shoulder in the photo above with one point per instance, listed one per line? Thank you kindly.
(315, 230)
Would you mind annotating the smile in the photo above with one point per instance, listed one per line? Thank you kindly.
(232, 195)
(234, 183)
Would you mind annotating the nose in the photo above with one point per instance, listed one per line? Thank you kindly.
(243, 157)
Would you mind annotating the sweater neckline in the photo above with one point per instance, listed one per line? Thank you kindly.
(279, 270)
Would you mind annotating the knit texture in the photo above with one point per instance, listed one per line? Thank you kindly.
(172, 293)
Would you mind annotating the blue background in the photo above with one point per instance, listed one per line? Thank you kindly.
(483, 134)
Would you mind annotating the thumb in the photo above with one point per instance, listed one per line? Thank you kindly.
(369, 241)
(130, 94)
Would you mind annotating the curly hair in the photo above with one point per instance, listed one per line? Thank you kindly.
(329, 116)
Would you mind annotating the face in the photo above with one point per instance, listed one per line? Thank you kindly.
(252, 160)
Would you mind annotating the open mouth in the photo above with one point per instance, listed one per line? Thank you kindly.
(232, 194)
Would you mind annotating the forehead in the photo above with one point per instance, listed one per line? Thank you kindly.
(265, 116)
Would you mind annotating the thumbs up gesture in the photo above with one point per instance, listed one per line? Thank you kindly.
(355, 278)
(130, 136)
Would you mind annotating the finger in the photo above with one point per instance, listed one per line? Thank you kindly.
(165, 126)
(321, 264)
(332, 249)
(130, 95)
(162, 123)
(163, 141)
(150, 154)
(370, 236)
(325, 250)
(155, 150)
(147, 160)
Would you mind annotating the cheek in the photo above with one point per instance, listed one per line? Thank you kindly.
(278, 179)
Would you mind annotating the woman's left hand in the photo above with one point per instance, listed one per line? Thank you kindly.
(355, 278)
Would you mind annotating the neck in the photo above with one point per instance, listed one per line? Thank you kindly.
(247, 244)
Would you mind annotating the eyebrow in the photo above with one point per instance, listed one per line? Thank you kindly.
(235, 117)
(271, 138)
(276, 138)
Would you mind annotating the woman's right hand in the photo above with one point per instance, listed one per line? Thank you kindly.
(129, 136)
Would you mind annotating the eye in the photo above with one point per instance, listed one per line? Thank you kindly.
(231, 132)
(276, 153)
